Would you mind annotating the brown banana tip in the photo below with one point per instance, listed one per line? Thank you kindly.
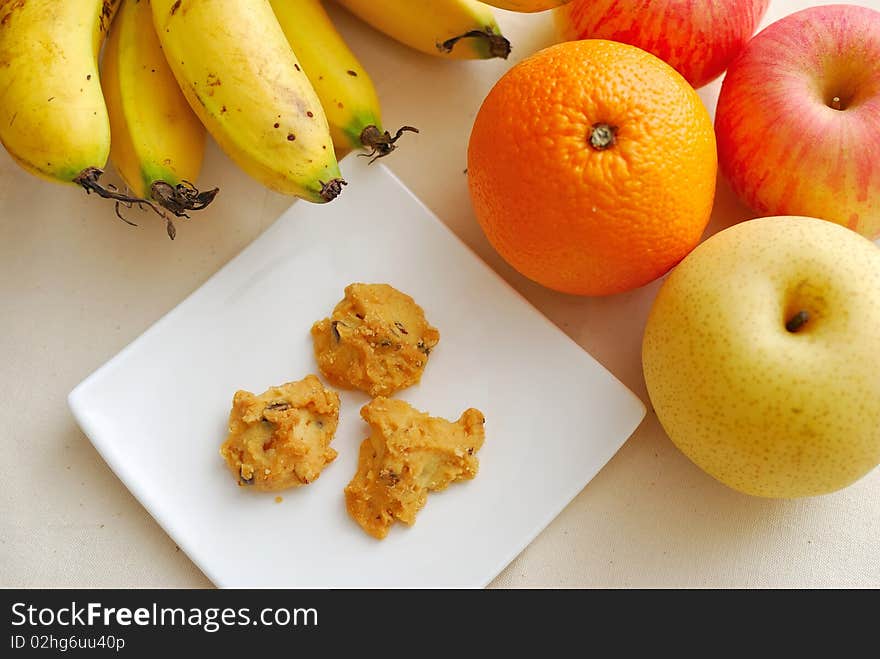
(381, 143)
(331, 189)
(498, 45)
(181, 197)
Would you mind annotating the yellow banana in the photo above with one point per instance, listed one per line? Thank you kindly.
(526, 6)
(157, 142)
(53, 120)
(244, 82)
(461, 29)
(343, 86)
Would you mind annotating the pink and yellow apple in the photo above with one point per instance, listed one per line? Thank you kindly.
(798, 119)
(698, 38)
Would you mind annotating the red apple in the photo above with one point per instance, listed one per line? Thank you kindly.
(698, 38)
(798, 119)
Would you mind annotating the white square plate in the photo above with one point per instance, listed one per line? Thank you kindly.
(157, 411)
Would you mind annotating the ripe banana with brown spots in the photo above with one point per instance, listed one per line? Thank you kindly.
(343, 86)
(53, 120)
(244, 82)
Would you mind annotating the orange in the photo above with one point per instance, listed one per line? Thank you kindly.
(592, 167)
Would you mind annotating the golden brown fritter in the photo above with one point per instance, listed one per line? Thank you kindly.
(408, 454)
(281, 438)
(377, 340)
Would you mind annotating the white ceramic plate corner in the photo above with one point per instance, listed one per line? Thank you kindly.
(157, 411)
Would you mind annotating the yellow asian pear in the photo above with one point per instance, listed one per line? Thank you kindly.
(762, 356)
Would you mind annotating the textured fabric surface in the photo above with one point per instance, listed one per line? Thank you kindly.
(77, 285)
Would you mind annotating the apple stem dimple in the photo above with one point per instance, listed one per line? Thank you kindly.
(603, 136)
(835, 103)
(797, 321)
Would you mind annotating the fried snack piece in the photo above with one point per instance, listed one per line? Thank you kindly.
(408, 454)
(281, 438)
(377, 340)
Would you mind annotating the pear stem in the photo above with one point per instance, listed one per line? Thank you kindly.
(796, 322)
(835, 103)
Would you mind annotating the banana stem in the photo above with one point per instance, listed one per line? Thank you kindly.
(381, 143)
(497, 44)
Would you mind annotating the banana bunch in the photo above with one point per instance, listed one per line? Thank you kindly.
(272, 81)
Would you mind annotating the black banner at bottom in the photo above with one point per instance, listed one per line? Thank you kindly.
(412, 622)
(227, 621)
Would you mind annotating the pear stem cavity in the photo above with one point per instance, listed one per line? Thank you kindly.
(797, 322)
